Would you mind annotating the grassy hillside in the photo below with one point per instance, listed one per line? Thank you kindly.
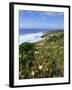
(43, 59)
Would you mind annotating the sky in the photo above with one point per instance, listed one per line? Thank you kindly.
(41, 19)
(33, 23)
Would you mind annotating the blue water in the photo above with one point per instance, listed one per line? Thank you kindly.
(29, 31)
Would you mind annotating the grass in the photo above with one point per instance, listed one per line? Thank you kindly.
(42, 59)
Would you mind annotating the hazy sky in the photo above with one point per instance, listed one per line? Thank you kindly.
(41, 20)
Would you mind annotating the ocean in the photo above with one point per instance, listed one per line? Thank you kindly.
(32, 35)
(29, 31)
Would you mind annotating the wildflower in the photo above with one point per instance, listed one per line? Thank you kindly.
(47, 47)
(47, 69)
(20, 72)
(60, 47)
(61, 52)
(36, 71)
(54, 46)
(19, 55)
(32, 73)
(42, 56)
(52, 34)
(40, 67)
(36, 52)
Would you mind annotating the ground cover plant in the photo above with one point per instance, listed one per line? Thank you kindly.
(44, 58)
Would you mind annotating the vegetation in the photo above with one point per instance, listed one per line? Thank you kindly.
(42, 59)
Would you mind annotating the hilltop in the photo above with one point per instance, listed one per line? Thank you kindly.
(43, 59)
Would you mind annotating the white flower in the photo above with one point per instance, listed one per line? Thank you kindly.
(47, 69)
(40, 67)
(36, 52)
(47, 47)
(60, 47)
(52, 34)
(19, 55)
(54, 46)
(61, 52)
(42, 56)
(32, 73)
